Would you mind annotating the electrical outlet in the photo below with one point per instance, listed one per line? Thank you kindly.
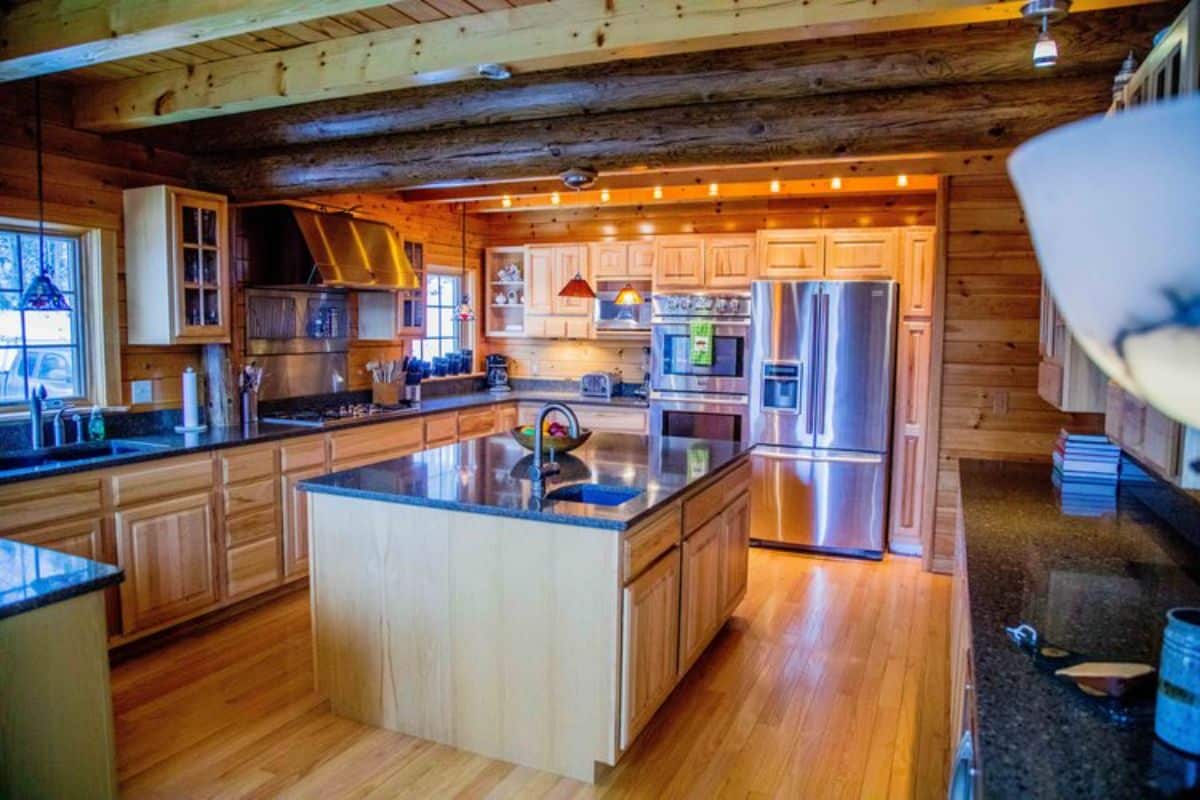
(142, 391)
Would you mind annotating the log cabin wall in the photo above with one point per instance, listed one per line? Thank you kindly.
(990, 407)
(570, 359)
(84, 177)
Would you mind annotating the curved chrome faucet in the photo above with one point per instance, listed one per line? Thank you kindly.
(538, 471)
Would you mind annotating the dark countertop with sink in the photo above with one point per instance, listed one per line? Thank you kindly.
(151, 446)
(488, 476)
(33, 577)
(1097, 585)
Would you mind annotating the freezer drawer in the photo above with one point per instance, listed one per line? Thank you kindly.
(825, 501)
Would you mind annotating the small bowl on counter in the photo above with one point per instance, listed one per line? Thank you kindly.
(524, 434)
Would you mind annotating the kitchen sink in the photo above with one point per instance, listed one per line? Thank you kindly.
(69, 453)
(596, 494)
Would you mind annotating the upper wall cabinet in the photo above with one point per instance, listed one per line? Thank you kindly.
(869, 253)
(729, 260)
(791, 254)
(621, 260)
(176, 266)
(917, 272)
(1067, 378)
(679, 262)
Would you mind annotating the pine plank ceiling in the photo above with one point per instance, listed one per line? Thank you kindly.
(390, 15)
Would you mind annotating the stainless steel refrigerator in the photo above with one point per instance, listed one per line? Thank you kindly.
(821, 412)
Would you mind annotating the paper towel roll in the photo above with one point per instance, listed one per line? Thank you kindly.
(191, 399)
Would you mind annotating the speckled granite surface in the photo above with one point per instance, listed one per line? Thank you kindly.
(1097, 585)
(33, 577)
(165, 445)
(488, 476)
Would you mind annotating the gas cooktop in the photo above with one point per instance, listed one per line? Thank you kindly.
(332, 416)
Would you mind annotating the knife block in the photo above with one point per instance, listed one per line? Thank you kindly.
(386, 394)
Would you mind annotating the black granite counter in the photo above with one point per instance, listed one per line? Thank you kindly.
(168, 445)
(1098, 585)
(33, 577)
(488, 476)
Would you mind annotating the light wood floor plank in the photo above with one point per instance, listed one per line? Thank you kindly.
(830, 681)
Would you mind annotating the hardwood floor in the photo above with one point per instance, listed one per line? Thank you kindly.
(830, 681)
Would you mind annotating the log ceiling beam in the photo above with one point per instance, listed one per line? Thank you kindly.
(40, 37)
(1089, 43)
(788, 173)
(947, 119)
(529, 38)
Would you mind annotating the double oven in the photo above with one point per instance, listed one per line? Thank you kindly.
(710, 400)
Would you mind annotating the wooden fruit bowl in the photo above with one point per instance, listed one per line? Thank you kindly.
(556, 444)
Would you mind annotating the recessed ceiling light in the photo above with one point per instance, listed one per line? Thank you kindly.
(713, 190)
(493, 72)
(604, 196)
(658, 193)
(902, 180)
(506, 201)
(775, 187)
(554, 198)
(835, 183)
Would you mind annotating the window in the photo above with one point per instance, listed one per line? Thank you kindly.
(441, 328)
(40, 347)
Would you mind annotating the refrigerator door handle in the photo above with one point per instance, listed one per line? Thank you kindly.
(823, 379)
(793, 454)
(814, 370)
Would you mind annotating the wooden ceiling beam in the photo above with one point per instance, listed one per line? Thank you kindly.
(947, 119)
(530, 38)
(1089, 43)
(886, 168)
(40, 37)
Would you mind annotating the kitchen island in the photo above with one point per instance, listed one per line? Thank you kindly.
(450, 603)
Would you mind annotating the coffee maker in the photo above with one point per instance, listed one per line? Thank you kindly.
(497, 373)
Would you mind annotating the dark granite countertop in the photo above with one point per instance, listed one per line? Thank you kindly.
(488, 476)
(168, 445)
(1098, 585)
(33, 577)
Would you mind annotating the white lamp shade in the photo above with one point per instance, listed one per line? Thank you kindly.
(1113, 206)
(1045, 51)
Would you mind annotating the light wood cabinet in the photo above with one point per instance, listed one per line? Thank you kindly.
(735, 554)
(729, 261)
(440, 429)
(700, 598)
(548, 316)
(649, 643)
(505, 318)
(791, 254)
(476, 423)
(38, 503)
(384, 440)
(295, 521)
(679, 262)
(910, 436)
(539, 275)
(167, 549)
(1067, 378)
(609, 259)
(506, 417)
(865, 254)
(82, 537)
(917, 248)
(176, 266)
(640, 262)
(644, 545)
(569, 260)
(596, 418)
(1154, 439)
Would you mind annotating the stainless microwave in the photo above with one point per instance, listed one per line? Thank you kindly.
(612, 319)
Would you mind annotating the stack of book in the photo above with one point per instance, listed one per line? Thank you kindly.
(1085, 470)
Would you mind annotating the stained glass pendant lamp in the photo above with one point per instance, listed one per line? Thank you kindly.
(41, 294)
(628, 296)
(464, 312)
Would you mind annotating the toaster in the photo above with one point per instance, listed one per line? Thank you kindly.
(599, 384)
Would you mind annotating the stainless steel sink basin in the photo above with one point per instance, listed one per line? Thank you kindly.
(69, 453)
(596, 494)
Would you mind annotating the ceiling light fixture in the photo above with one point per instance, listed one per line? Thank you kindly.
(775, 187)
(493, 71)
(506, 201)
(604, 196)
(628, 296)
(713, 190)
(41, 294)
(579, 178)
(835, 183)
(554, 198)
(1043, 13)
(464, 312)
(658, 193)
(902, 180)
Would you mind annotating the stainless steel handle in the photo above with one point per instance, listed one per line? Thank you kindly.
(822, 380)
(813, 371)
(788, 454)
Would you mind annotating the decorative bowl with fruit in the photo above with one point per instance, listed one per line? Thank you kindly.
(556, 437)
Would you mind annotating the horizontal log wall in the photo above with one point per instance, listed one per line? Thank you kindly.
(84, 177)
(990, 406)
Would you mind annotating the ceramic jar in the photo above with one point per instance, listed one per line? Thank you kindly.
(1177, 718)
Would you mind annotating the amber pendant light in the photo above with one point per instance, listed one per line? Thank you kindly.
(628, 296)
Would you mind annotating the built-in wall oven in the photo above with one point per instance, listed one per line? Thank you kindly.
(708, 400)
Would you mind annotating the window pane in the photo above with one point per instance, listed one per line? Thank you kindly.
(39, 347)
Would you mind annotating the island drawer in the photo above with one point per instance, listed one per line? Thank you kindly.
(29, 503)
(247, 463)
(391, 438)
(643, 545)
(441, 429)
(473, 424)
(303, 454)
(613, 420)
(162, 479)
(705, 504)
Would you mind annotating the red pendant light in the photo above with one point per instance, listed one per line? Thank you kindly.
(577, 287)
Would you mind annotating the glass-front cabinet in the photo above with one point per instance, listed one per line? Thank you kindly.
(176, 266)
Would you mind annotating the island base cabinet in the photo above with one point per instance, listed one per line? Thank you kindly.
(735, 554)
(700, 610)
(295, 522)
(167, 551)
(650, 643)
